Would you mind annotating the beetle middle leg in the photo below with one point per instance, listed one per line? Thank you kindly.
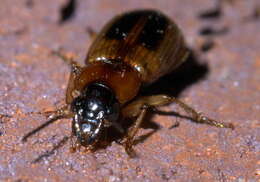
(128, 143)
(139, 107)
(91, 33)
(75, 67)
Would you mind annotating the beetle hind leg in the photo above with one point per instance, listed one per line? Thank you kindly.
(138, 108)
(158, 100)
(198, 116)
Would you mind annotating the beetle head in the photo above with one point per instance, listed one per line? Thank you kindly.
(93, 108)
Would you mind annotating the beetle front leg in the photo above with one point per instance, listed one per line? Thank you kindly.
(74, 143)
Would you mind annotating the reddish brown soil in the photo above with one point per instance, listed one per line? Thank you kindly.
(223, 82)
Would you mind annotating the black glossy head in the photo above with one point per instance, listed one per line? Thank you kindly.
(95, 106)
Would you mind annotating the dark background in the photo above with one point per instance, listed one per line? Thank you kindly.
(221, 78)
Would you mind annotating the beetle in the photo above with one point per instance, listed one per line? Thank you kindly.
(133, 50)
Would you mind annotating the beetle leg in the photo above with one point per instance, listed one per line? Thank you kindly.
(91, 33)
(139, 107)
(196, 116)
(159, 100)
(128, 143)
(75, 67)
(74, 144)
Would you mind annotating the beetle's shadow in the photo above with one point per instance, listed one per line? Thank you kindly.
(189, 73)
